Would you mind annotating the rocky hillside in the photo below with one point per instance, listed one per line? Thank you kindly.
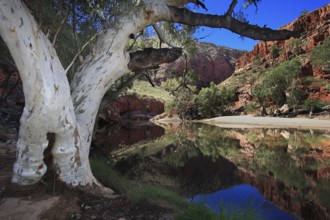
(211, 63)
(253, 67)
(314, 26)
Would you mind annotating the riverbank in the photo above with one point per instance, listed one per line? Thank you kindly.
(299, 122)
(268, 122)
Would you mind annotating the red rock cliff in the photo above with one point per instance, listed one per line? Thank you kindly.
(211, 63)
(315, 27)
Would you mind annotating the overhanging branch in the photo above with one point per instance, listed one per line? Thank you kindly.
(151, 58)
(185, 16)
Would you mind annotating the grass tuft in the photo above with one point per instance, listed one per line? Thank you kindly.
(144, 89)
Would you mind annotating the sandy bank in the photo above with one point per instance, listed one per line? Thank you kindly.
(268, 122)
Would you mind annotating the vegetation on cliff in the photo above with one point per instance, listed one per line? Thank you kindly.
(293, 83)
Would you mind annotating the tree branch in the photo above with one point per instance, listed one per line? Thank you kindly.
(149, 79)
(58, 30)
(79, 52)
(162, 37)
(185, 16)
(231, 8)
(151, 58)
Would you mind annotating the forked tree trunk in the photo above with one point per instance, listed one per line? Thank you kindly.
(49, 107)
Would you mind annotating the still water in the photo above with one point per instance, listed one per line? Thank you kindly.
(281, 173)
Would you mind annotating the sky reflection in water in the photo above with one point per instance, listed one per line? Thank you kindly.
(241, 195)
(288, 165)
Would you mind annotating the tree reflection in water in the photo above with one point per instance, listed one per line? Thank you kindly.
(290, 168)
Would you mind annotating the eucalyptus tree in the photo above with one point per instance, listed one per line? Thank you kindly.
(53, 104)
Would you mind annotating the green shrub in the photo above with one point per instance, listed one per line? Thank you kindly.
(295, 45)
(212, 100)
(250, 107)
(275, 51)
(313, 105)
(296, 96)
(276, 83)
(171, 84)
(321, 55)
(183, 103)
(257, 60)
(183, 90)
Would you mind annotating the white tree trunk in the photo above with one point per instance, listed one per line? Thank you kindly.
(102, 69)
(49, 107)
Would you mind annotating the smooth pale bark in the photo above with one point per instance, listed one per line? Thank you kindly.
(108, 63)
(69, 111)
(48, 105)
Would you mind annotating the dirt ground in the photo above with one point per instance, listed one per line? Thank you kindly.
(51, 200)
(71, 204)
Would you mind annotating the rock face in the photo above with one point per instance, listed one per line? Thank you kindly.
(211, 63)
(315, 27)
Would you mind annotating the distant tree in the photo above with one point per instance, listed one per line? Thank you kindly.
(183, 103)
(183, 89)
(277, 82)
(68, 109)
(211, 100)
(261, 93)
(296, 95)
(321, 54)
(208, 102)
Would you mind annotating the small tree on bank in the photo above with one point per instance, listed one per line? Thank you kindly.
(69, 109)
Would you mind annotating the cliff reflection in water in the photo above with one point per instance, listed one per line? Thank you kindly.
(113, 136)
(290, 168)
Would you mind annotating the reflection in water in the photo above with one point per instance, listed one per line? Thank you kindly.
(290, 168)
(113, 136)
(242, 196)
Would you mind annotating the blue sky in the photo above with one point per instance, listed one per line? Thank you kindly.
(273, 13)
